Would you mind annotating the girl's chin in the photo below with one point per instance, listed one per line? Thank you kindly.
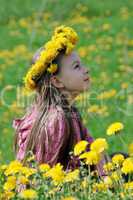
(85, 89)
(86, 86)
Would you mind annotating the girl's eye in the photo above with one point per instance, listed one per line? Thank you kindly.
(76, 66)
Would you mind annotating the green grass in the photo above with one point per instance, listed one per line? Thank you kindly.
(47, 15)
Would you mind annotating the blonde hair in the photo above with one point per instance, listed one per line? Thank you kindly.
(46, 94)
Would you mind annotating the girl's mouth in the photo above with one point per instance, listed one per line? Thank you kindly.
(87, 79)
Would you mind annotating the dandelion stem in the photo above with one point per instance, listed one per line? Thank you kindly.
(123, 142)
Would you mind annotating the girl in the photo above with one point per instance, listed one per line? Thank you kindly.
(52, 125)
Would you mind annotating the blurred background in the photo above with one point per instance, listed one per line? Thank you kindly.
(105, 30)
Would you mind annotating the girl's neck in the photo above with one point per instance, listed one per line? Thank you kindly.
(70, 96)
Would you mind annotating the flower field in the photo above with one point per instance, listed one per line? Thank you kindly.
(34, 181)
(106, 48)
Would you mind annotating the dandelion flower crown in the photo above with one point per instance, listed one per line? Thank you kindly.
(63, 38)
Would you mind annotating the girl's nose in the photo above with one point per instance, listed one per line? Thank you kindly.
(86, 70)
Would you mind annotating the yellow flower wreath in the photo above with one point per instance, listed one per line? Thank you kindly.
(63, 38)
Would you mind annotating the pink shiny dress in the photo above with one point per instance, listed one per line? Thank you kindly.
(57, 139)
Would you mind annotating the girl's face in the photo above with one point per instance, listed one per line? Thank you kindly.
(73, 74)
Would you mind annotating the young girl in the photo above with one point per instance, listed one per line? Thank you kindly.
(52, 125)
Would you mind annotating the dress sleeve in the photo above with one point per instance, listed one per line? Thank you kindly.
(55, 139)
(22, 128)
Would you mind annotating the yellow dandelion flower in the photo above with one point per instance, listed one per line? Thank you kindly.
(56, 173)
(44, 167)
(13, 168)
(50, 54)
(80, 147)
(107, 94)
(115, 176)
(108, 167)
(128, 185)
(90, 157)
(28, 171)
(28, 194)
(106, 27)
(69, 48)
(7, 195)
(124, 85)
(3, 167)
(23, 180)
(100, 186)
(52, 68)
(130, 149)
(118, 159)
(93, 108)
(69, 198)
(72, 176)
(127, 166)
(115, 128)
(99, 145)
(10, 184)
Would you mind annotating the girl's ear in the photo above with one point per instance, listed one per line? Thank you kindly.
(56, 82)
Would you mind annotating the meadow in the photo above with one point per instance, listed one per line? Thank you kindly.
(105, 47)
